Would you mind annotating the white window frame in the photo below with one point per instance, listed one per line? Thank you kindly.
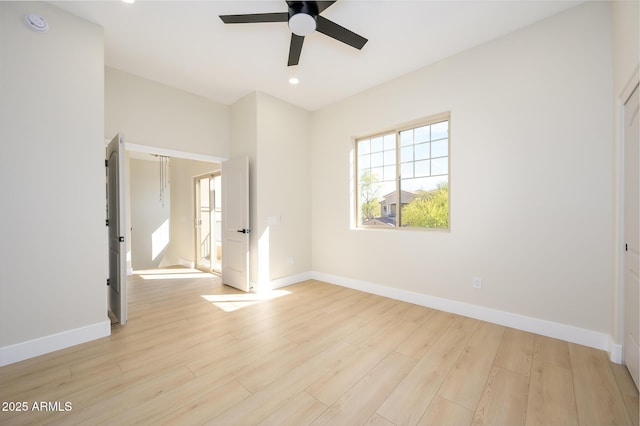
(398, 178)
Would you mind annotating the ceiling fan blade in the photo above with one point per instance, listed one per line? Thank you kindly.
(319, 5)
(255, 17)
(340, 33)
(295, 49)
(322, 5)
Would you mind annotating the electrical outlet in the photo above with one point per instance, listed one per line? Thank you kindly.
(477, 282)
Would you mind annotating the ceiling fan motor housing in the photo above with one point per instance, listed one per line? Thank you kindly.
(303, 17)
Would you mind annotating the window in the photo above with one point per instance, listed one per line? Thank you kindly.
(403, 177)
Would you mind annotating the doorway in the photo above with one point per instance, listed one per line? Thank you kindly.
(208, 222)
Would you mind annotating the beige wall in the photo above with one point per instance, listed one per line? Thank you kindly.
(152, 114)
(150, 217)
(531, 176)
(52, 244)
(275, 137)
(284, 191)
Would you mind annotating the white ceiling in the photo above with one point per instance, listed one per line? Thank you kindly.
(185, 45)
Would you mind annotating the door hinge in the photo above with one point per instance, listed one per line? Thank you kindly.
(106, 163)
(107, 222)
(626, 247)
(108, 282)
(121, 239)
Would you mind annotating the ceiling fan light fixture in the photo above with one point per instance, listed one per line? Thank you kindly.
(302, 24)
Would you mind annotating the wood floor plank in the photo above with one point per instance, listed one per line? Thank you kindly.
(300, 410)
(410, 399)
(335, 383)
(259, 405)
(516, 351)
(598, 398)
(551, 396)
(361, 401)
(443, 412)
(95, 413)
(470, 372)
(551, 351)
(425, 336)
(504, 400)
(629, 391)
(204, 407)
(378, 420)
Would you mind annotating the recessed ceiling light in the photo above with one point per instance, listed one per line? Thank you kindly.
(294, 81)
(129, 1)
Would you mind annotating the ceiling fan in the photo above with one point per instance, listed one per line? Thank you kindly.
(303, 18)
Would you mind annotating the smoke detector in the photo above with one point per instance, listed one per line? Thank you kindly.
(37, 22)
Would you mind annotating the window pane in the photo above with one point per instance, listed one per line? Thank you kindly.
(376, 159)
(364, 146)
(406, 137)
(422, 168)
(440, 130)
(428, 205)
(422, 151)
(421, 134)
(406, 154)
(440, 148)
(377, 174)
(390, 173)
(406, 171)
(390, 141)
(364, 161)
(376, 144)
(440, 166)
(390, 157)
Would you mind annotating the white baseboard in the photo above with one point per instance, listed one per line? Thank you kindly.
(42, 345)
(556, 330)
(187, 263)
(615, 351)
(282, 282)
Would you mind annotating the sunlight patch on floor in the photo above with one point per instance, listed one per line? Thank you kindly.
(170, 273)
(233, 302)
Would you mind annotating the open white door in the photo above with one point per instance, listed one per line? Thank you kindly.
(117, 226)
(631, 235)
(235, 223)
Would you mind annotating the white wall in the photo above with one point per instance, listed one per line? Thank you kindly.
(531, 176)
(284, 191)
(52, 244)
(152, 114)
(275, 137)
(626, 43)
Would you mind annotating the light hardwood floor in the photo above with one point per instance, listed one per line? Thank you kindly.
(197, 352)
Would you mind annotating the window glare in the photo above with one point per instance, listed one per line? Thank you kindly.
(364, 146)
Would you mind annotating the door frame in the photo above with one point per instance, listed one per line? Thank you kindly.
(148, 149)
(618, 332)
(212, 226)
